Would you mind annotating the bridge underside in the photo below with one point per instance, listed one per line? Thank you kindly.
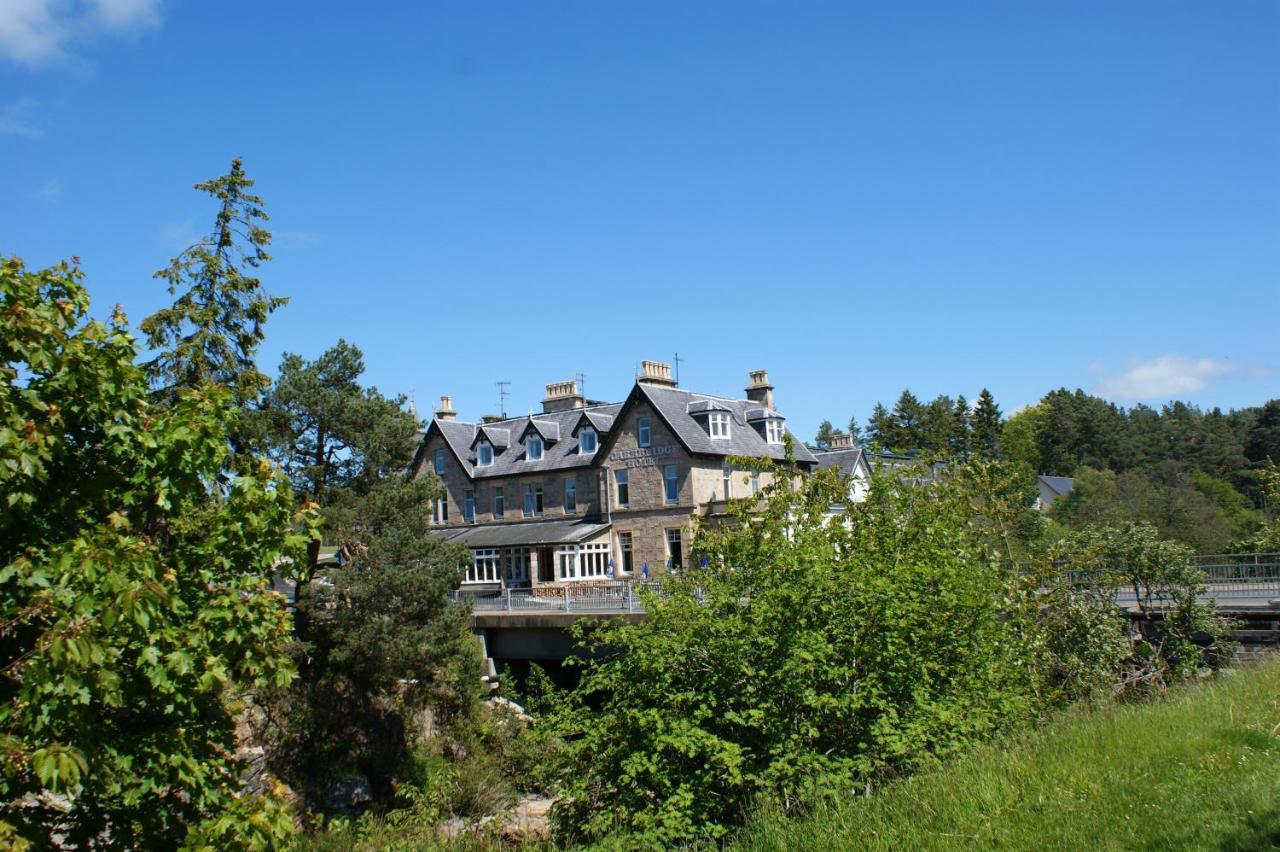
(534, 636)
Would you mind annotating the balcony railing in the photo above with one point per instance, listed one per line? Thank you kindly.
(615, 597)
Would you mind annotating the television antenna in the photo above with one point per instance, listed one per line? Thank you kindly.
(503, 396)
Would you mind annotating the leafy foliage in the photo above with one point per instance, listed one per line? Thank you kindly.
(381, 647)
(211, 333)
(135, 603)
(1180, 632)
(806, 654)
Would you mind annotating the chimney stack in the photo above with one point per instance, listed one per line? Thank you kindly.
(656, 373)
(445, 411)
(562, 396)
(759, 390)
(840, 441)
(486, 419)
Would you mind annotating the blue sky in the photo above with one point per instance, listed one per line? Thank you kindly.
(857, 197)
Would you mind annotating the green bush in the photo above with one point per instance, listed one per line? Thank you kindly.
(808, 654)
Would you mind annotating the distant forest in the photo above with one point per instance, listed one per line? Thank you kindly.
(1199, 476)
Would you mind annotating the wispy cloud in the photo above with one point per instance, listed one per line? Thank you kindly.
(50, 191)
(294, 239)
(179, 235)
(17, 119)
(1164, 377)
(36, 32)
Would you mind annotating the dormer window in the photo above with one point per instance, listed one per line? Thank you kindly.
(533, 448)
(718, 424)
(773, 431)
(484, 454)
(587, 441)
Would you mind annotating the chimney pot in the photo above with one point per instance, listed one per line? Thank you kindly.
(758, 388)
(562, 396)
(445, 411)
(656, 373)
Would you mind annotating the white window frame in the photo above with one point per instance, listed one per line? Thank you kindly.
(529, 444)
(439, 462)
(627, 553)
(674, 556)
(577, 562)
(670, 477)
(441, 514)
(583, 436)
(644, 433)
(718, 424)
(570, 495)
(727, 475)
(621, 481)
(485, 567)
(499, 504)
(484, 454)
(755, 483)
(773, 431)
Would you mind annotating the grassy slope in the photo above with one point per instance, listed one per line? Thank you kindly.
(1200, 770)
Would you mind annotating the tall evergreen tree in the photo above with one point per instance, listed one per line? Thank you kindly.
(961, 437)
(330, 433)
(908, 420)
(880, 428)
(212, 331)
(986, 425)
(823, 439)
(855, 432)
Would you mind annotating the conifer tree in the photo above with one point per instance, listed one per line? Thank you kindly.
(986, 425)
(212, 331)
(855, 432)
(908, 419)
(880, 428)
(823, 438)
(961, 429)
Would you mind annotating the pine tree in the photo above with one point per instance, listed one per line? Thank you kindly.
(879, 428)
(986, 425)
(961, 430)
(823, 439)
(908, 418)
(212, 332)
(855, 432)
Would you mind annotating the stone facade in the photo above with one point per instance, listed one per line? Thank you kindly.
(558, 546)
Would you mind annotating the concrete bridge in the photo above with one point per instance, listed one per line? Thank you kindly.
(518, 624)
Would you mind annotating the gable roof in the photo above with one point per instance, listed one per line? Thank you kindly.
(597, 420)
(848, 460)
(1059, 485)
(458, 437)
(547, 428)
(499, 438)
(672, 405)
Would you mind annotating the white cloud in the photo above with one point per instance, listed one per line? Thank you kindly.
(16, 120)
(294, 239)
(1163, 377)
(34, 32)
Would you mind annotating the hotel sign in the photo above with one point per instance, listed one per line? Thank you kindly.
(644, 456)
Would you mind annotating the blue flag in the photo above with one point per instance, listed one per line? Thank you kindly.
(644, 570)
(705, 562)
(609, 573)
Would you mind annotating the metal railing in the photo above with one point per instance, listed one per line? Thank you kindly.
(1227, 577)
(612, 597)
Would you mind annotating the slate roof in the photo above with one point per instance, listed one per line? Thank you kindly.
(1059, 485)
(673, 406)
(534, 532)
(847, 460)
(599, 421)
(560, 455)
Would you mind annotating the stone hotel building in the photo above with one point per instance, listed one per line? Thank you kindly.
(588, 491)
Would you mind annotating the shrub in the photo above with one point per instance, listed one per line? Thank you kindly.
(811, 652)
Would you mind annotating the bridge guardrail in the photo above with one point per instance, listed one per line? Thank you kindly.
(619, 597)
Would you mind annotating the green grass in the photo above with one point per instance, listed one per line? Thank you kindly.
(1198, 770)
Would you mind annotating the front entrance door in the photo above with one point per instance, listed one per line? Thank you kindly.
(546, 564)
